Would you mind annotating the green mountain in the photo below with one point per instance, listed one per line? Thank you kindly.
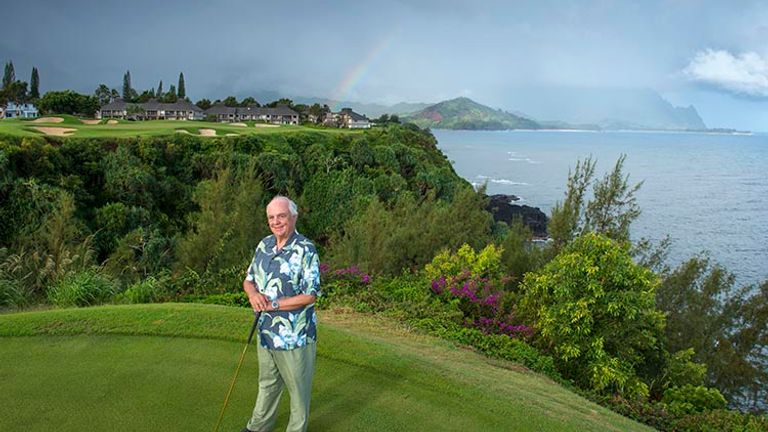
(464, 113)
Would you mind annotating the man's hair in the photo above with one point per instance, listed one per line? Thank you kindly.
(291, 205)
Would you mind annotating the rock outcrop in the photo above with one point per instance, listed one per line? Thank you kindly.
(502, 209)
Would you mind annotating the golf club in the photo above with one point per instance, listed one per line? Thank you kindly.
(237, 371)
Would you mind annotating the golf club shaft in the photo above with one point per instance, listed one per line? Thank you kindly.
(237, 371)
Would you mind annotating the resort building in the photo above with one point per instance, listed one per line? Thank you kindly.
(151, 110)
(346, 118)
(277, 115)
(14, 110)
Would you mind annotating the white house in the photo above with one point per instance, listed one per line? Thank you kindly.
(353, 120)
(25, 110)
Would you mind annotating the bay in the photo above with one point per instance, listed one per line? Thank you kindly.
(706, 191)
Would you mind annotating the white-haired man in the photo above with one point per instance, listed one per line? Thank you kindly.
(282, 283)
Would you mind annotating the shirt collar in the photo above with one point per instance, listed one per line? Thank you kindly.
(289, 244)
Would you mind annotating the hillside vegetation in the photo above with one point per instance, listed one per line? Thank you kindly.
(174, 218)
(464, 113)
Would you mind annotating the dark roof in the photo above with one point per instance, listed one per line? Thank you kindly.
(181, 105)
(117, 104)
(278, 110)
(220, 108)
(353, 115)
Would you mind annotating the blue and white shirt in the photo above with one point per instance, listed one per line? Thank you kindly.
(293, 270)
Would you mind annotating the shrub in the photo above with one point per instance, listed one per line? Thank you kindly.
(486, 263)
(690, 399)
(594, 309)
(146, 291)
(11, 293)
(84, 288)
(721, 421)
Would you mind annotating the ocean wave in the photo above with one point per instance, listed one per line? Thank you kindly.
(509, 182)
(528, 160)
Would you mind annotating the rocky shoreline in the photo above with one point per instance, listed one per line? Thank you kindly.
(502, 209)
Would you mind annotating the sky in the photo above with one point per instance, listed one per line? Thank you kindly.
(709, 54)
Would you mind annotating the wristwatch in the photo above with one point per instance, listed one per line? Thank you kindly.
(275, 305)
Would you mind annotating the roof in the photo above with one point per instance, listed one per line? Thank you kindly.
(279, 110)
(220, 108)
(353, 115)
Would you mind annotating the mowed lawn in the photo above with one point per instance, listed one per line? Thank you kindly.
(167, 367)
(66, 125)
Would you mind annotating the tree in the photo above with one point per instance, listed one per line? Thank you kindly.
(159, 92)
(230, 101)
(34, 85)
(249, 101)
(103, 94)
(611, 210)
(203, 104)
(280, 102)
(145, 96)
(182, 90)
(68, 102)
(16, 92)
(127, 89)
(726, 325)
(170, 96)
(9, 76)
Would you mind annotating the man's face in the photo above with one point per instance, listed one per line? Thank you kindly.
(281, 221)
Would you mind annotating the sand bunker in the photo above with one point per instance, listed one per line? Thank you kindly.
(111, 122)
(239, 124)
(207, 132)
(265, 125)
(232, 134)
(90, 122)
(55, 131)
(48, 120)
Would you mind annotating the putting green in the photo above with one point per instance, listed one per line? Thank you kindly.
(168, 367)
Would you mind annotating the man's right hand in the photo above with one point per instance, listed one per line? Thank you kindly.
(258, 302)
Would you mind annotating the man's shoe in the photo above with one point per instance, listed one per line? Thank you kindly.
(246, 430)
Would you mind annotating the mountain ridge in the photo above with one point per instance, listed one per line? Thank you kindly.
(464, 113)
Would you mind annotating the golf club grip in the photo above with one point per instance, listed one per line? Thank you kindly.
(255, 324)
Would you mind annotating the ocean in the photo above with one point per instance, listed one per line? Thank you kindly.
(708, 192)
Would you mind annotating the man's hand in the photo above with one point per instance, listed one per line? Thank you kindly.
(258, 302)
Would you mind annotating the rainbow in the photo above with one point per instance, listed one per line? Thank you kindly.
(353, 77)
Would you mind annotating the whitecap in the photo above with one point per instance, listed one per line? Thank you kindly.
(509, 182)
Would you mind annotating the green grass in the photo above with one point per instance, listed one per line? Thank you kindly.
(125, 128)
(167, 367)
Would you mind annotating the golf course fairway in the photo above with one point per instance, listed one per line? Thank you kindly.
(167, 367)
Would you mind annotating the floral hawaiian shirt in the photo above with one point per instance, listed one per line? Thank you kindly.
(293, 270)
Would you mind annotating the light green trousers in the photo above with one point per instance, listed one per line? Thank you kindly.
(278, 369)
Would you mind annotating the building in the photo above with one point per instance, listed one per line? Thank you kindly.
(352, 120)
(277, 115)
(25, 110)
(151, 110)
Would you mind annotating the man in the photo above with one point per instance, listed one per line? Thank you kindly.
(283, 282)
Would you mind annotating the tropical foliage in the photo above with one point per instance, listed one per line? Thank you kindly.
(176, 218)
